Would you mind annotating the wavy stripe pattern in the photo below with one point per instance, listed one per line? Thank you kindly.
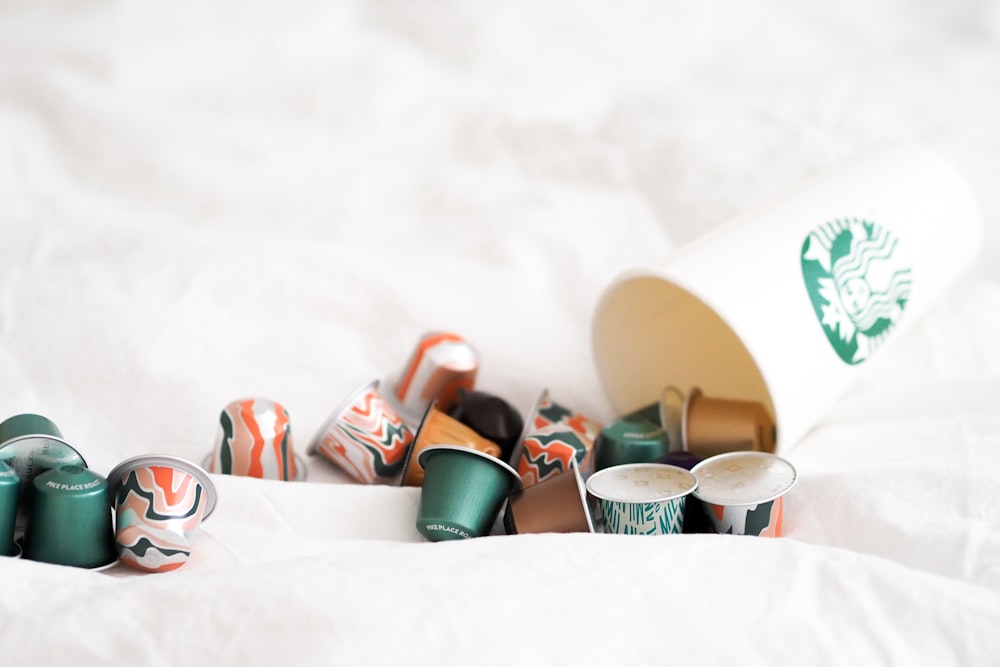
(548, 452)
(159, 510)
(368, 441)
(254, 439)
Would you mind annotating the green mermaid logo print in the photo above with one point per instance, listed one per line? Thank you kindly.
(856, 284)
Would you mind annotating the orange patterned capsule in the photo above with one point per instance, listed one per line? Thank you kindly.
(254, 439)
(364, 437)
(160, 503)
(441, 365)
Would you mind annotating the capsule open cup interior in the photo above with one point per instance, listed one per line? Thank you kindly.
(642, 498)
(492, 417)
(462, 493)
(743, 492)
(556, 505)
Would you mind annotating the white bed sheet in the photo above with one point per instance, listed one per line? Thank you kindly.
(225, 200)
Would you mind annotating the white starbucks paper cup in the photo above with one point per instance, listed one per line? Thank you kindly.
(786, 305)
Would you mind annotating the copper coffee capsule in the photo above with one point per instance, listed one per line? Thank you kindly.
(441, 364)
(717, 425)
(556, 505)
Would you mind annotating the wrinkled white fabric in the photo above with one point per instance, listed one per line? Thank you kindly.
(201, 203)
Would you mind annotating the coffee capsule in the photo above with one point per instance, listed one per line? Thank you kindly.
(441, 365)
(553, 435)
(365, 437)
(32, 444)
(462, 493)
(667, 413)
(743, 492)
(254, 439)
(557, 505)
(626, 441)
(437, 428)
(718, 425)
(642, 498)
(71, 519)
(10, 485)
(549, 451)
(491, 417)
(160, 503)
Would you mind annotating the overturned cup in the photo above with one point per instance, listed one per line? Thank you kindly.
(160, 502)
(642, 498)
(365, 437)
(742, 493)
(784, 305)
(463, 491)
(254, 439)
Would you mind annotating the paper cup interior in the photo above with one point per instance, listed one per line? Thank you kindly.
(650, 332)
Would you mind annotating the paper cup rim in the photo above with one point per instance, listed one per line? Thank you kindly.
(663, 273)
(763, 498)
(337, 412)
(118, 473)
(659, 499)
(434, 449)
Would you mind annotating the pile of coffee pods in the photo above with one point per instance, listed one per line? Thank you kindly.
(478, 463)
(54, 509)
(476, 460)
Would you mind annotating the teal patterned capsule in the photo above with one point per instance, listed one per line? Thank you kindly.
(642, 498)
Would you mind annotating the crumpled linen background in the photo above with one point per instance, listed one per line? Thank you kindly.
(200, 203)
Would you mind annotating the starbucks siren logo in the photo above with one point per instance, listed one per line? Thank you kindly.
(857, 286)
